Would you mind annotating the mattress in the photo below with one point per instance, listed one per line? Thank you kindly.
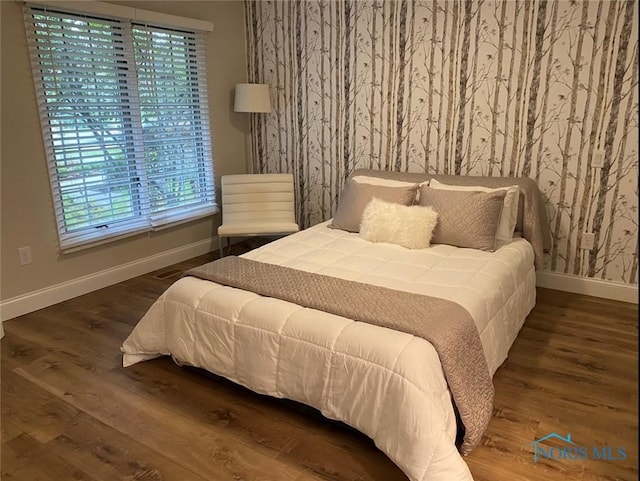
(351, 371)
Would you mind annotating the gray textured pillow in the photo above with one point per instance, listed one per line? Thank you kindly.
(465, 219)
(357, 195)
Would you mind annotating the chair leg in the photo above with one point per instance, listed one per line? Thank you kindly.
(221, 248)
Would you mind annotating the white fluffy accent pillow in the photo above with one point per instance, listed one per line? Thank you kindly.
(408, 226)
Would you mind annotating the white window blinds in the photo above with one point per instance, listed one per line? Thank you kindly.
(125, 123)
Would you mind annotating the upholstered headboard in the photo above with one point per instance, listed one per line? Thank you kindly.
(532, 221)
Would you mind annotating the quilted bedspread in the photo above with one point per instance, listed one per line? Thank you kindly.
(446, 325)
(387, 384)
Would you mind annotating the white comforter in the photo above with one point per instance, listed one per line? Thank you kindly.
(387, 384)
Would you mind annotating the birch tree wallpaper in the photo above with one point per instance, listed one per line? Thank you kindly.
(540, 88)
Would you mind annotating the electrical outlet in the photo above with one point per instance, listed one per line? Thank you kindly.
(25, 255)
(598, 159)
(588, 241)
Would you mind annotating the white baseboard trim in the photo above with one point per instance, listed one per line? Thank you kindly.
(616, 291)
(48, 296)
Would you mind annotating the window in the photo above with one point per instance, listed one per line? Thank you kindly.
(125, 123)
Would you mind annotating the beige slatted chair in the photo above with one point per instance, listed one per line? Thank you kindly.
(257, 205)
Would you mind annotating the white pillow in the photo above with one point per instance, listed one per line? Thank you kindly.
(408, 226)
(509, 215)
(365, 179)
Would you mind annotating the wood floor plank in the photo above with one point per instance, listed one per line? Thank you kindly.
(96, 448)
(233, 408)
(313, 451)
(229, 405)
(15, 453)
(71, 412)
(572, 374)
(38, 330)
(203, 448)
(167, 385)
(18, 351)
(32, 472)
(29, 409)
(24, 452)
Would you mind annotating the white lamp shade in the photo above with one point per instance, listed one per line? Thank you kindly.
(252, 98)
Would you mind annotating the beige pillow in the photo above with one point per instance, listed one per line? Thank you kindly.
(509, 215)
(465, 219)
(357, 195)
(409, 226)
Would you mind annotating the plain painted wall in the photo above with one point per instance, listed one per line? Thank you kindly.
(27, 217)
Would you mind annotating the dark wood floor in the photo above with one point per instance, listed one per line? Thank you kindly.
(71, 412)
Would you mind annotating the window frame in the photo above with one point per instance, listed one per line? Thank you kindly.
(143, 218)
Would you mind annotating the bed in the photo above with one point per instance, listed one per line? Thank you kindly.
(353, 371)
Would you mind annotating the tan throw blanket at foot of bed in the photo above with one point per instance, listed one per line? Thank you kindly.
(445, 324)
